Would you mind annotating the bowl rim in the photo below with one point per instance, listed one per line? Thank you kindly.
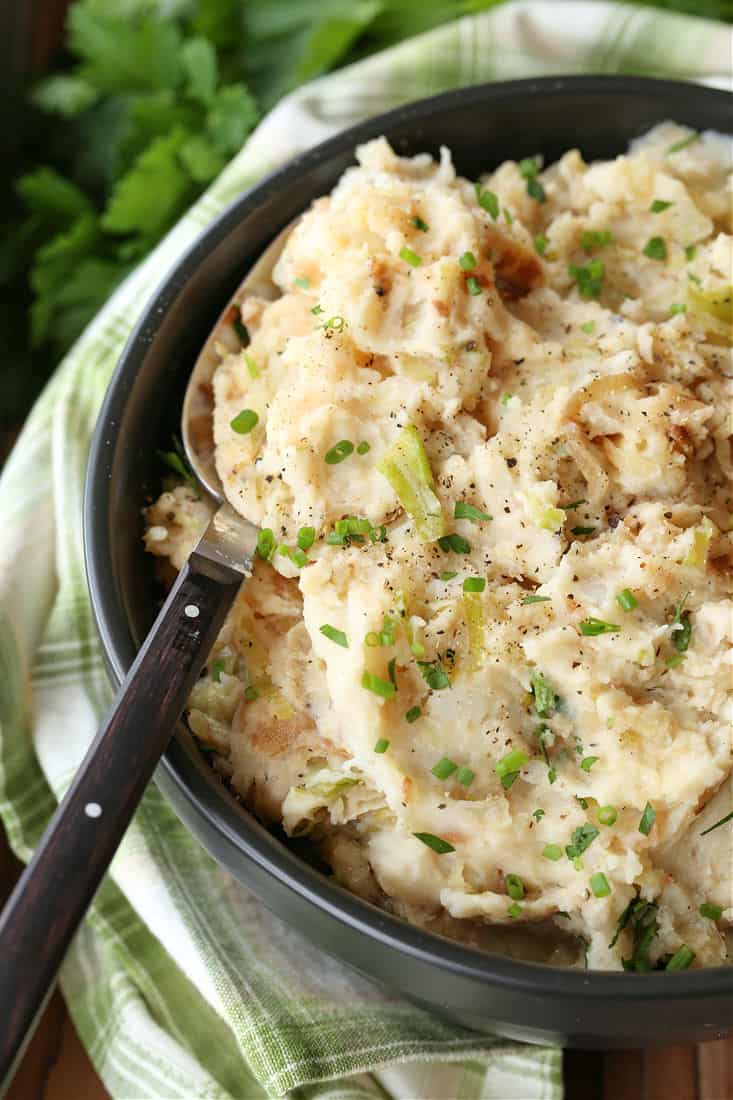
(223, 814)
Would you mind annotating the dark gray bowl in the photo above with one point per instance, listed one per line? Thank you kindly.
(483, 126)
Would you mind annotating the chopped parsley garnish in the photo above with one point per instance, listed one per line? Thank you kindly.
(377, 685)
(626, 600)
(599, 885)
(655, 249)
(438, 845)
(514, 887)
(216, 670)
(683, 143)
(420, 224)
(540, 244)
(465, 776)
(582, 530)
(413, 714)
(588, 761)
(552, 851)
(588, 327)
(444, 768)
(410, 257)
(339, 452)
(538, 815)
(454, 542)
(529, 167)
(474, 584)
(545, 698)
(591, 627)
(488, 201)
(306, 537)
(463, 510)
(251, 693)
(266, 543)
(381, 746)
(588, 278)
(595, 238)
(363, 448)
(334, 635)
(434, 675)
(681, 959)
(244, 422)
(659, 205)
(713, 912)
(514, 910)
(473, 286)
(536, 599)
(581, 838)
(448, 575)
(467, 261)
(303, 281)
(723, 821)
(509, 766)
(647, 819)
(607, 815)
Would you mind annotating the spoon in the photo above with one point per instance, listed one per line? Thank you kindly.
(56, 888)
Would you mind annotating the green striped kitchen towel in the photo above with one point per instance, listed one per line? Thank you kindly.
(179, 983)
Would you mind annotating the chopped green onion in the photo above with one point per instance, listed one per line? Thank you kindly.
(545, 698)
(381, 746)
(434, 675)
(420, 224)
(675, 660)
(581, 838)
(473, 286)
(391, 665)
(536, 599)
(582, 530)
(339, 452)
(266, 543)
(507, 216)
(659, 205)
(647, 819)
(413, 714)
(588, 327)
(467, 261)
(240, 328)
(690, 256)
(573, 504)
(437, 843)
(244, 421)
(407, 469)
(681, 618)
(216, 670)
(334, 635)
(540, 244)
(506, 398)
(303, 281)
(465, 776)
(377, 685)
(316, 310)
(463, 510)
(538, 815)
(552, 851)
(251, 693)
(306, 537)
(515, 910)
(336, 323)
(591, 627)
(626, 600)
(474, 584)
(587, 762)
(509, 766)
(528, 169)
(677, 307)
(252, 369)
(599, 885)
(723, 821)
(607, 815)
(454, 542)
(372, 638)
(514, 887)
(679, 145)
(588, 278)
(444, 768)
(681, 959)
(713, 912)
(488, 201)
(593, 238)
(655, 249)
(448, 575)
(363, 448)
(410, 257)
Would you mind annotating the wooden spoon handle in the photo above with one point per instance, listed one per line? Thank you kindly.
(57, 887)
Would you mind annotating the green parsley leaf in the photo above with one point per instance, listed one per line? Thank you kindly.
(528, 170)
(455, 543)
(438, 845)
(545, 698)
(148, 198)
(582, 530)
(199, 62)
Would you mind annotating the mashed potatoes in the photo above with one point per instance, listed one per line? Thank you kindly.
(485, 657)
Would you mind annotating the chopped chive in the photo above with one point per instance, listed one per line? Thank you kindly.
(514, 910)
(591, 627)
(467, 261)
(588, 278)
(463, 510)
(536, 599)
(587, 762)
(659, 205)
(552, 851)
(381, 746)
(266, 543)
(713, 912)
(454, 542)
(647, 819)
(465, 776)
(410, 257)
(251, 693)
(240, 328)
(581, 838)
(297, 556)
(244, 421)
(474, 584)
(573, 504)
(420, 224)
(216, 670)
(599, 885)
(448, 575)
(593, 238)
(506, 398)
(681, 959)
(538, 815)
(413, 714)
(438, 845)
(528, 169)
(473, 286)
(588, 327)
(372, 638)
(690, 251)
(679, 145)
(507, 216)
(444, 768)
(540, 244)
(626, 600)
(252, 369)
(655, 249)
(514, 887)
(488, 201)
(302, 281)
(339, 452)
(434, 675)
(607, 815)
(316, 310)
(363, 448)
(509, 766)
(391, 665)
(334, 635)
(306, 537)
(675, 660)
(723, 821)
(677, 307)
(377, 685)
(582, 530)
(336, 323)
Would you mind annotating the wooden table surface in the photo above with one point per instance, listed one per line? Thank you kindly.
(56, 1067)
